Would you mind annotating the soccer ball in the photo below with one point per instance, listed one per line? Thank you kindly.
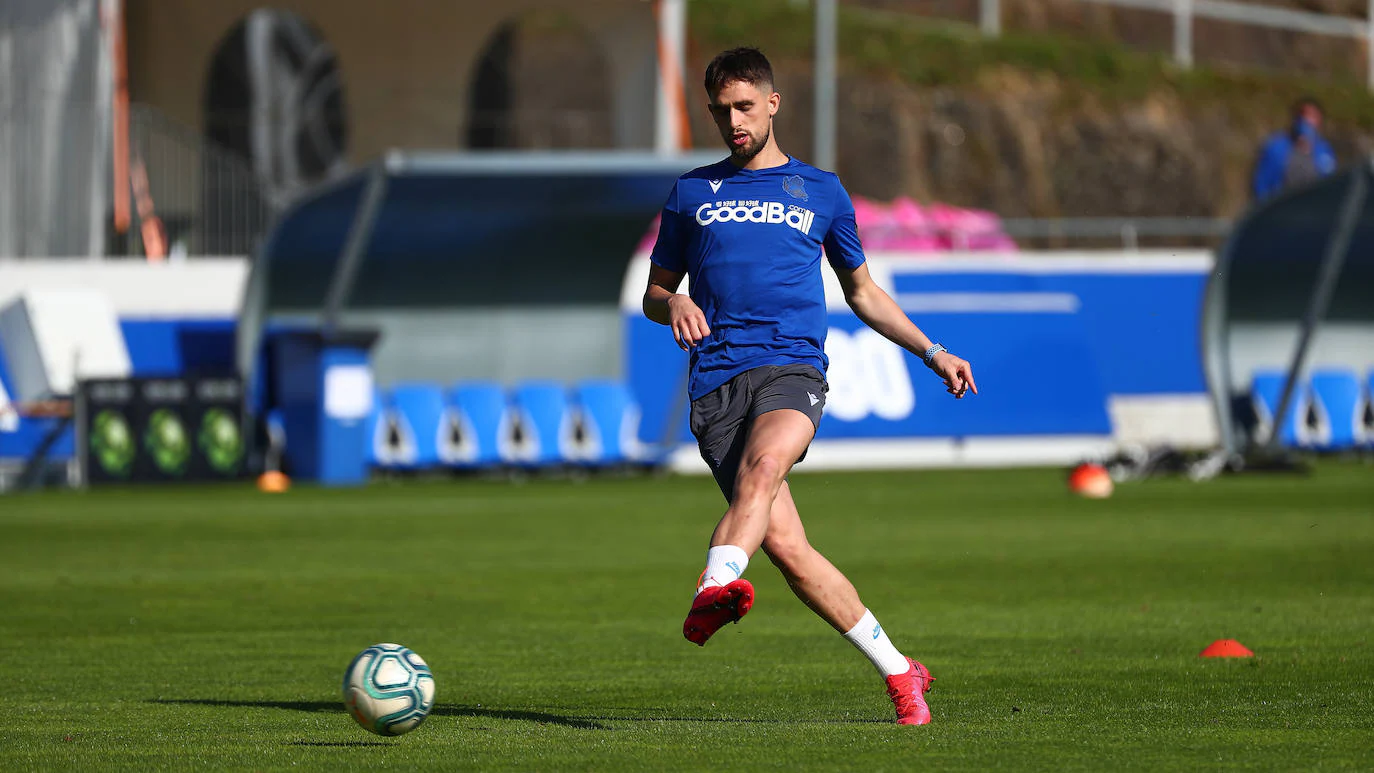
(388, 689)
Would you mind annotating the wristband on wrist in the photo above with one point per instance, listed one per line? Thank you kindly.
(931, 352)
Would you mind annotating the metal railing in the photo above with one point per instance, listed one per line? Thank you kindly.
(1185, 11)
(1130, 233)
(208, 199)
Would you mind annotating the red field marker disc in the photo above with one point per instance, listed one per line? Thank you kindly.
(1226, 648)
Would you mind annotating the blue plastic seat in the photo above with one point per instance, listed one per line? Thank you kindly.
(477, 423)
(1265, 392)
(417, 418)
(1336, 395)
(609, 418)
(544, 425)
(1367, 414)
(377, 432)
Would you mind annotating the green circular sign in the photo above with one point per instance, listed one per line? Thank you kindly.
(220, 441)
(166, 441)
(112, 443)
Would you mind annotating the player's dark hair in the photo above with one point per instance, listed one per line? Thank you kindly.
(739, 64)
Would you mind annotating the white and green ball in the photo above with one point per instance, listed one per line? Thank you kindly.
(388, 689)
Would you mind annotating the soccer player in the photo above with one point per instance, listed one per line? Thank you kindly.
(750, 231)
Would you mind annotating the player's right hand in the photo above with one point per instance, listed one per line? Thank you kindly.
(688, 323)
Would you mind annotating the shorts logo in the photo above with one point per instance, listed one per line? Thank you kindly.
(756, 212)
(813, 398)
(795, 187)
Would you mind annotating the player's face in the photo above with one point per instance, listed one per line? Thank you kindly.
(744, 115)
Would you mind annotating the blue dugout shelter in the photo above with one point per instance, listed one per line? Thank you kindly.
(499, 266)
(1292, 294)
(442, 268)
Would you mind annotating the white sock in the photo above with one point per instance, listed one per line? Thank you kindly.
(724, 565)
(872, 641)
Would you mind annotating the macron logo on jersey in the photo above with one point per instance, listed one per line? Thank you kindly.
(715, 185)
(756, 212)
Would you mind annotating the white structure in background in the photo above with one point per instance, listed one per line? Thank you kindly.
(54, 338)
(56, 87)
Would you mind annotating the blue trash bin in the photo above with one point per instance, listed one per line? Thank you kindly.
(324, 390)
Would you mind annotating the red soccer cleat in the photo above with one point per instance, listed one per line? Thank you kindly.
(716, 606)
(907, 691)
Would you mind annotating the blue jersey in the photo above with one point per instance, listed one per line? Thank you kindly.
(751, 242)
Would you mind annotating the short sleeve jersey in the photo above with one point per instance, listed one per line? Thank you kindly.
(751, 243)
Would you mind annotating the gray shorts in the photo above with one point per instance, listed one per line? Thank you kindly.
(721, 420)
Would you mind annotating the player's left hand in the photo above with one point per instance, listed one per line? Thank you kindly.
(956, 372)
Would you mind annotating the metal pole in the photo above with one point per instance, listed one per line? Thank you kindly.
(1216, 346)
(359, 235)
(825, 84)
(672, 35)
(990, 17)
(1129, 237)
(1327, 275)
(1183, 33)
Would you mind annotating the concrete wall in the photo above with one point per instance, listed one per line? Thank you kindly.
(406, 65)
(203, 288)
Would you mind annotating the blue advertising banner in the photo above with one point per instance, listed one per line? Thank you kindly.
(1052, 341)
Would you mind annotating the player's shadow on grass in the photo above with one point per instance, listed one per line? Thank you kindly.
(338, 744)
(456, 710)
(440, 710)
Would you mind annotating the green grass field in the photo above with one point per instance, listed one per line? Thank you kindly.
(209, 628)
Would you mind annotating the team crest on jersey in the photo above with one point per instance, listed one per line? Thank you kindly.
(795, 187)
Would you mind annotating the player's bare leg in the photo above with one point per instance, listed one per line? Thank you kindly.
(774, 441)
(831, 595)
(811, 576)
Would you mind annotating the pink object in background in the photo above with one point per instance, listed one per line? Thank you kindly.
(646, 245)
(905, 226)
(912, 230)
(870, 213)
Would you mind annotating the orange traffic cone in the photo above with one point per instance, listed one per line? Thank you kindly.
(273, 482)
(1226, 648)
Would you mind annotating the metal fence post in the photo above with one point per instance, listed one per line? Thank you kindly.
(1129, 238)
(990, 17)
(1183, 33)
(826, 49)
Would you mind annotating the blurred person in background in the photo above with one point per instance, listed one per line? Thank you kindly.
(1295, 156)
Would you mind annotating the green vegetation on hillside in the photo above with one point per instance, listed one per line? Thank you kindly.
(928, 53)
